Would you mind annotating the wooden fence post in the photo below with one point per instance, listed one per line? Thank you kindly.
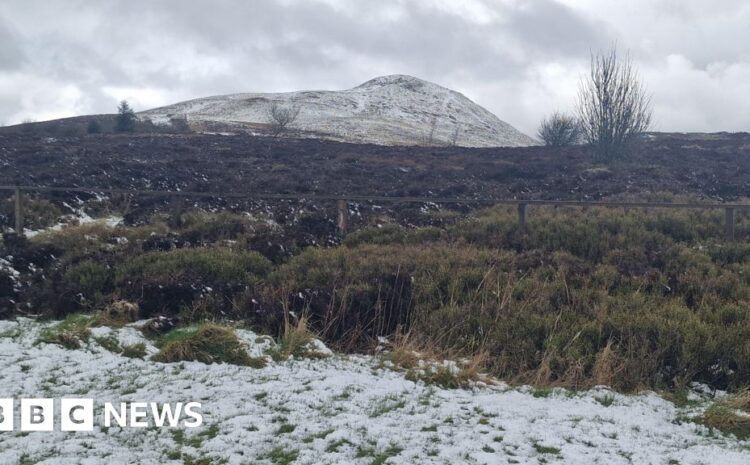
(19, 212)
(175, 215)
(729, 223)
(343, 216)
(522, 216)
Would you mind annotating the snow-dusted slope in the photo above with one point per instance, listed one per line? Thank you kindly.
(338, 410)
(388, 110)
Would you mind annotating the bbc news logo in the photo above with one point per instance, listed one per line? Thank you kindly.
(78, 414)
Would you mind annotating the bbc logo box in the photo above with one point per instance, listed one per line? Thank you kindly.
(39, 414)
(78, 414)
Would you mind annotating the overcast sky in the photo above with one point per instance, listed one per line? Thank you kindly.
(519, 59)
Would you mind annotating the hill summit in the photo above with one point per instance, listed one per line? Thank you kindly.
(387, 110)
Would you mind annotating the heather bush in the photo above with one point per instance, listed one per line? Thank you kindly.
(167, 281)
(628, 298)
(560, 130)
(625, 297)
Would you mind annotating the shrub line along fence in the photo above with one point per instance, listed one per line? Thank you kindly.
(342, 201)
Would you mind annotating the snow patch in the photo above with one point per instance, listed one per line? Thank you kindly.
(341, 409)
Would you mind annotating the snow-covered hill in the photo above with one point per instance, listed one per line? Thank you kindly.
(388, 110)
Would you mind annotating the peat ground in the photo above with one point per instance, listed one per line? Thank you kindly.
(714, 167)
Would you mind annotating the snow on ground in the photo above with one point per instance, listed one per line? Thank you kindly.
(7, 268)
(79, 218)
(338, 410)
(387, 110)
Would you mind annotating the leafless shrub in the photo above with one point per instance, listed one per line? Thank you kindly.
(281, 117)
(560, 130)
(613, 106)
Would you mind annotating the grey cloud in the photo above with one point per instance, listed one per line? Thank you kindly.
(270, 44)
(551, 29)
(179, 49)
(424, 38)
(11, 55)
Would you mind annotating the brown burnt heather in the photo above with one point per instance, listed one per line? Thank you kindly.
(711, 166)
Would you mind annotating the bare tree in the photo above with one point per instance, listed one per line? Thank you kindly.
(281, 117)
(560, 130)
(613, 106)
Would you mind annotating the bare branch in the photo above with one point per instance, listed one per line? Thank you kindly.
(281, 117)
(560, 130)
(613, 106)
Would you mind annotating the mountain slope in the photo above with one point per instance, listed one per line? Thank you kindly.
(388, 110)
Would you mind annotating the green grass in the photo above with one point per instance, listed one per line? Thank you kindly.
(541, 392)
(110, 343)
(195, 440)
(380, 457)
(281, 456)
(286, 428)
(320, 435)
(70, 333)
(334, 446)
(189, 460)
(207, 343)
(679, 397)
(137, 350)
(387, 405)
(606, 400)
(209, 265)
(541, 449)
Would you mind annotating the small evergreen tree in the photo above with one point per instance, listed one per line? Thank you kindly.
(125, 118)
(94, 127)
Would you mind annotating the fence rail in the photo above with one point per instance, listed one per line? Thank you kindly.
(342, 201)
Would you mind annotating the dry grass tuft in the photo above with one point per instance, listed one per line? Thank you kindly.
(452, 375)
(405, 352)
(730, 415)
(297, 341)
(425, 361)
(117, 314)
